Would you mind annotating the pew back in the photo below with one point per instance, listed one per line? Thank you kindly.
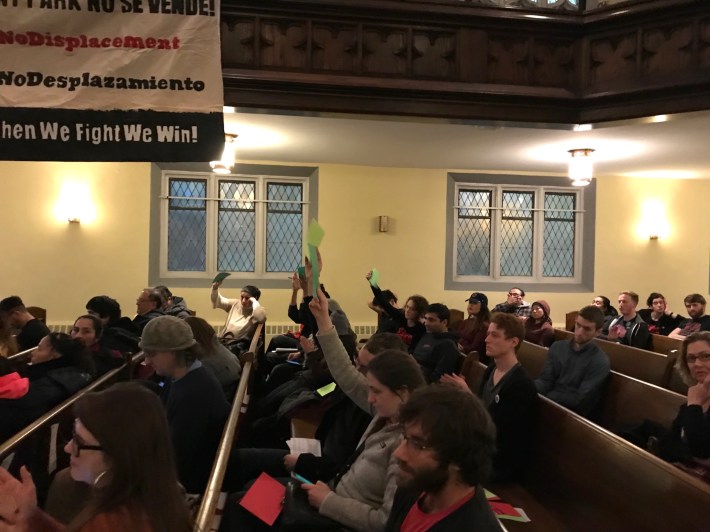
(664, 344)
(591, 479)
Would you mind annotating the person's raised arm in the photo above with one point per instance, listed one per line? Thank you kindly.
(218, 301)
(385, 306)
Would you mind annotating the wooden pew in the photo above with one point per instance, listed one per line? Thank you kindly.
(647, 366)
(626, 401)
(664, 344)
(582, 477)
(570, 319)
(208, 507)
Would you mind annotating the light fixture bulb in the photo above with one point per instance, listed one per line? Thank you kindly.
(581, 167)
(226, 162)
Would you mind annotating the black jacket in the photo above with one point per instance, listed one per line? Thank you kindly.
(437, 355)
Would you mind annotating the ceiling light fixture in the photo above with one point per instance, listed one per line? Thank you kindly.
(581, 169)
(225, 164)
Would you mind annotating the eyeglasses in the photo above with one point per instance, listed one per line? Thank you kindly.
(78, 445)
(692, 359)
(414, 444)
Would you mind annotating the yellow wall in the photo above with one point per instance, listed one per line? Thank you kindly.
(57, 265)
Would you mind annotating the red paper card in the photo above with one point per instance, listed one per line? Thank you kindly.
(501, 508)
(265, 498)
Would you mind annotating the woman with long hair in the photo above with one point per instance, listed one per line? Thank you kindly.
(120, 446)
(88, 329)
(473, 330)
(56, 351)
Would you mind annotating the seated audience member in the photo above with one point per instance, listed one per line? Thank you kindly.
(576, 370)
(173, 305)
(690, 436)
(472, 331)
(119, 333)
(60, 367)
(538, 327)
(149, 305)
(603, 303)
(509, 394)
(437, 352)
(8, 344)
(88, 330)
(384, 322)
(514, 304)
(628, 328)
(243, 315)
(339, 432)
(698, 321)
(407, 321)
(218, 359)
(31, 329)
(120, 448)
(660, 320)
(194, 401)
(444, 458)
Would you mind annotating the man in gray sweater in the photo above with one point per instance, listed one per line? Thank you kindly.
(575, 370)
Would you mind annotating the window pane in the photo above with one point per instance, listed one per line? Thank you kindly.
(516, 234)
(558, 235)
(284, 227)
(473, 246)
(236, 226)
(187, 222)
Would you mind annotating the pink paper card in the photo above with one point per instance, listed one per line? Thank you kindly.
(501, 508)
(265, 498)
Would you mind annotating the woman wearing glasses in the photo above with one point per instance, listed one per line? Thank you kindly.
(121, 448)
(690, 436)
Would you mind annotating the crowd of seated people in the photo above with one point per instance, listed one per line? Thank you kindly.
(372, 474)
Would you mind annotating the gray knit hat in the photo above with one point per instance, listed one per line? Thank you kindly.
(167, 333)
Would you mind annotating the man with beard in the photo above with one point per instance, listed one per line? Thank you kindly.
(446, 453)
(698, 321)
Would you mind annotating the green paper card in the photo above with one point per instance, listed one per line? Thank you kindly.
(315, 234)
(313, 257)
(325, 390)
(375, 279)
(220, 277)
(301, 271)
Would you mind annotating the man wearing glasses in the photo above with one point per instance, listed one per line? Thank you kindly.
(446, 453)
(514, 304)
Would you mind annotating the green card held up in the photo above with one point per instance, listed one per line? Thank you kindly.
(325, 390)
(375, 278)
(220, 277)
(301, 271)
(315, 234)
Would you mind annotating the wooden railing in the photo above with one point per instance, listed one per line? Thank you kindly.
(18, 357)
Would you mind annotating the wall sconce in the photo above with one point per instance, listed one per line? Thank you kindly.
(384, 224)
(581, 167)
(225, 164)
(654, 223)
(74, 204)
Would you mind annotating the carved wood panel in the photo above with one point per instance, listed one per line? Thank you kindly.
(384, 51)
(667, 49)
(508, 59)
(434, 54)
(283, 44)
(613, 58)
(334, 47)
(238, 36)
(553, 63)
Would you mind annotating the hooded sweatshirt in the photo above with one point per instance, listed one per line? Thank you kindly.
(540, 331)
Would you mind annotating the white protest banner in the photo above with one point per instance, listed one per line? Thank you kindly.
(110, 80)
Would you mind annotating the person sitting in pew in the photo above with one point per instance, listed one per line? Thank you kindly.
(448, 440)
(32, 330)
(120, 448)
(173, 305)
(698, 321)
(577, 369)
(538, 327)
(604, 304)
(628, 328)
(88, 330)
(660, 320)
(243, 316)
(515, 304)
(119, 333)
(437, 352)
(509, 394)
(194, 402)
(149, 305)
(217, 358)
(384, 322)
(472, 331)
